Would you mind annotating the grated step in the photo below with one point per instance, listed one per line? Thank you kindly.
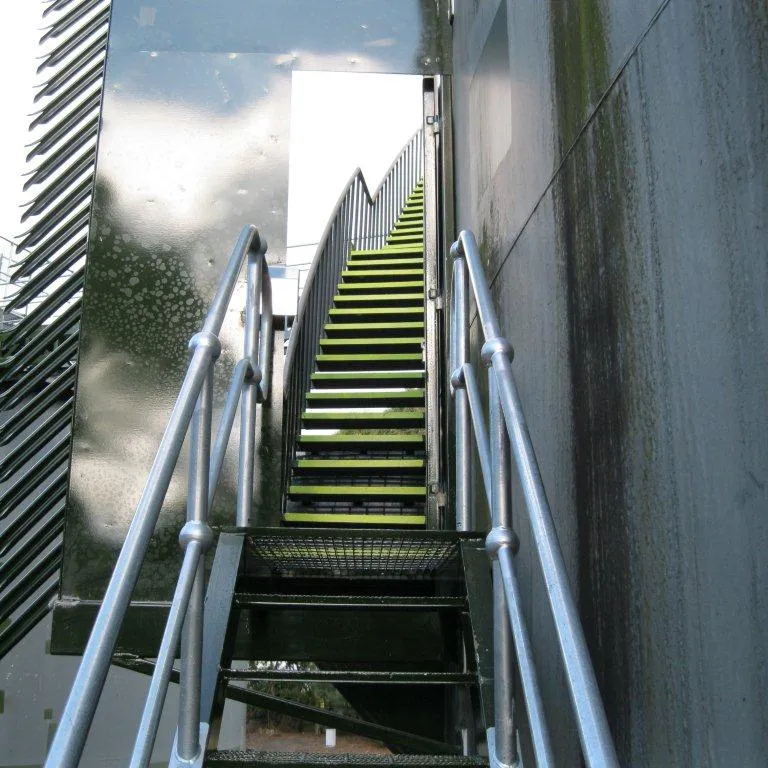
(365, 492)
(378, 397)
(400, 466)
(352, 519)
(240, 758)
(373, 344)
(394, 361)
(336, 330)
(351, 419)
(367, 379)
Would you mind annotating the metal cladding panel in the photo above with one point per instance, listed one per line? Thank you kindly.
(622, 226)
(402, 36)
(193, 144)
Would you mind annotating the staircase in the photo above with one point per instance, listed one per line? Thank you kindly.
(408, 605)
(360, 455)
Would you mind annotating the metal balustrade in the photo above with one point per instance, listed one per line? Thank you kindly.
(249, 385)
(358, 219)
(507, 437)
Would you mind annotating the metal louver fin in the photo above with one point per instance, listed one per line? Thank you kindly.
(38, 349)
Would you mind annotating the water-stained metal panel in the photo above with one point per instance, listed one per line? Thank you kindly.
(623, 233)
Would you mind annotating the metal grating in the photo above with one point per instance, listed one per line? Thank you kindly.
(339, 552)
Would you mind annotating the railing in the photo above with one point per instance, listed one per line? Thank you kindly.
(359, 219)
(250, 382)
(508, 429)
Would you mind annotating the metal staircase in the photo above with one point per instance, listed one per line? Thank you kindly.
(415, 626)
(360, 456)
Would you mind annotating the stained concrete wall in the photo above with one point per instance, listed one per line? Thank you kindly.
(611, 158)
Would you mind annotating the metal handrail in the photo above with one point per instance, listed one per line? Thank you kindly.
(358, 218)
(250, 382)
(508, 429)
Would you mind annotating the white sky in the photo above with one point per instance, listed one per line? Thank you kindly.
(21, 23)
(340, 121)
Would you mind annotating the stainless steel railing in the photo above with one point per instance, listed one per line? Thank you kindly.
(250, 383)
(359, 219)
(508, 430)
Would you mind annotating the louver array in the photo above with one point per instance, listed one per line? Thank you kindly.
(37, 368)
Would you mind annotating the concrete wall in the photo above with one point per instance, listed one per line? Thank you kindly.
(611, 159)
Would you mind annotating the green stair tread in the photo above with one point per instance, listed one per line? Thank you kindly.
(367, 379)
(375, 361)
(373, 395)
(388, 341)
(373, 275)
(416, 325)
(344, 518)
(357, 491)
(380, 264)
(363, 299)
(392, 414)
(385, 285)
(346, 464)
(362, 437)
(387, 251)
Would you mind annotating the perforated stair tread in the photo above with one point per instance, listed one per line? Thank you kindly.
(361, 465)
(346, 518)
(369, 361)
(338, 329)
(377, 397)
(352, 419)
(395, 286)
(239, 758)
(362, 440)
(358, 491)
(366, 379)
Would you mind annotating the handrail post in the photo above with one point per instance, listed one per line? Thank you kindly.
(188, 745)
(503, 649)
(597, 744)
(250, 391)
(459, 346)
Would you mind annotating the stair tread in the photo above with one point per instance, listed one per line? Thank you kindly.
(368, 376)
(415, 325)
(347, 518)
(380, 298)
(321, 601)
(384, 285)
(223, 758)
(355, 491)
(373, 341)
(372, 396)
(379, 264)
(353, 676)
(347, 464)
(363, 437)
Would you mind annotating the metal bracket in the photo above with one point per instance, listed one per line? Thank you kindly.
(493, 760)
(197, 762)
(434, 121)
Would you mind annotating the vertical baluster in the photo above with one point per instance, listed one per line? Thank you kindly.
(250, 392)
(501, 509)
(188, 745)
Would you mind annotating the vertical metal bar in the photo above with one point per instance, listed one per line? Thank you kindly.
(501, 509)
(75, 722)
(433, 296)
(158, 687)
(188, 742)
(595, 735)
(533, 703)
(250, 392)
(460, 346)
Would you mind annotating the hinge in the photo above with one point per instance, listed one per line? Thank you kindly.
(434, 121)
(436, 297)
